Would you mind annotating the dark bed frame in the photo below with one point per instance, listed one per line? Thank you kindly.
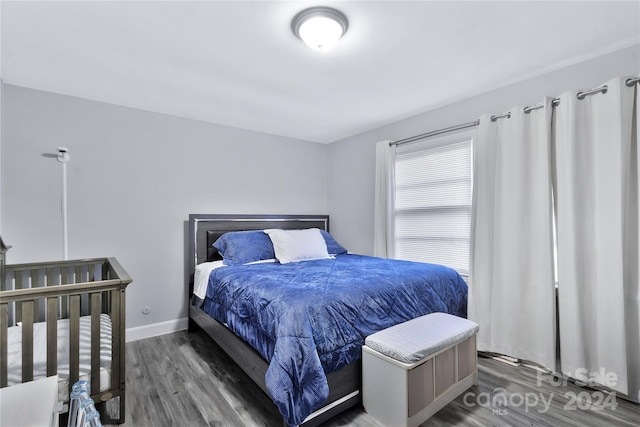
(204, 229)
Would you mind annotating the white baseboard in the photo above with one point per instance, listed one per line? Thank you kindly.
(155, 329)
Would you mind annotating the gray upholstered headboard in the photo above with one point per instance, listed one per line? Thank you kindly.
(204, 229)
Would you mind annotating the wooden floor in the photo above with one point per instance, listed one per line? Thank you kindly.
(184, 379)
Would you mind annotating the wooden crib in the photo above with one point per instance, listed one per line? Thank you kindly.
(82, 301)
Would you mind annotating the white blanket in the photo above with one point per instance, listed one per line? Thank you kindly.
(203, 271)
(201, 277)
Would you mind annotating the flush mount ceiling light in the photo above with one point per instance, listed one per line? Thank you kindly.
(320, 28)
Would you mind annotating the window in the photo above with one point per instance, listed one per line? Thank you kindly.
(433, 201)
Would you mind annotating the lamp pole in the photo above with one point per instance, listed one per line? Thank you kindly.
(63, 157)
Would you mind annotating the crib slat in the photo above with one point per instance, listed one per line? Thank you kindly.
(51, 280)
(106, 303)
(27, 340)
(81, 277)
(18, 285)
(106, 296)
(74, 339)
(4, 324)
(64, 306)
(3, 274)
(116, 375)
(50, 277)
(52, 336)
(95, 343)
(35, 284)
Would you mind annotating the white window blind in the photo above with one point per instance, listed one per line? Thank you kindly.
(433, 204)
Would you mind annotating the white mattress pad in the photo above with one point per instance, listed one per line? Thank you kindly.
(14, 354)
(412, 341)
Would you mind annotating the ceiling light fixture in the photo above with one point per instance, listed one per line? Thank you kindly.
(320, 27)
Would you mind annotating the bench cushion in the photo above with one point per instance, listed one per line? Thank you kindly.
(412, 341)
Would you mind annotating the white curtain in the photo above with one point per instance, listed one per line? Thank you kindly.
(596, 144)
(511, 294)
(384, 208)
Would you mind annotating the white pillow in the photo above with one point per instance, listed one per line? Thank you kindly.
(298, 245)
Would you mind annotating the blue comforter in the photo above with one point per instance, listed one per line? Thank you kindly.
(311, 318)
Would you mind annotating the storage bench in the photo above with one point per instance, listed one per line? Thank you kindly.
(412, 370)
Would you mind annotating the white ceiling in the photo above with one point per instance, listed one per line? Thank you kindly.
(237, 63)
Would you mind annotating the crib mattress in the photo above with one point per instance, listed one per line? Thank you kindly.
(14, 354)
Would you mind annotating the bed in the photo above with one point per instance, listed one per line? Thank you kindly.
(297, 328)
(65, 318)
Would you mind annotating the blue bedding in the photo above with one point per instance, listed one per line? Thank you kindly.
(310, 318)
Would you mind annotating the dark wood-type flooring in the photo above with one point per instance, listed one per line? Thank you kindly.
(184, 379)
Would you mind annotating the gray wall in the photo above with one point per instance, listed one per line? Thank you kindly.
(352, 161)
(134, 177)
